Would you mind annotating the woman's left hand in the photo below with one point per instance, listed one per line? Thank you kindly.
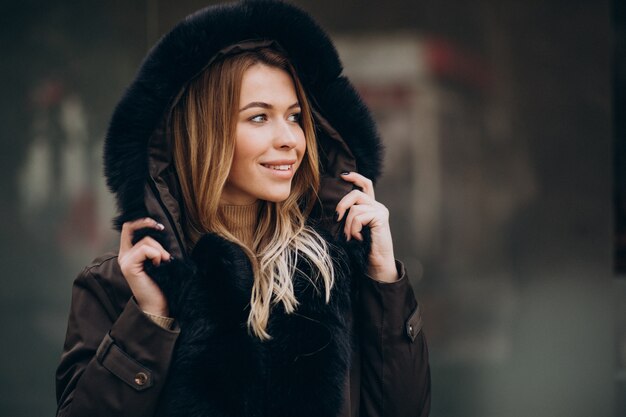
(366, 211)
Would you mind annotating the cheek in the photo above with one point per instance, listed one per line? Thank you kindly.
(246, 149)
(301, 145)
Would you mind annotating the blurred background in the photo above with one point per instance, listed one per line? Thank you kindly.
(502, 176)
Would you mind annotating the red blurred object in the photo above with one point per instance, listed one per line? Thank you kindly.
(448, 61)
(48, 93)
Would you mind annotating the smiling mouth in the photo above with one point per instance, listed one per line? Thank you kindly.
(279, 167)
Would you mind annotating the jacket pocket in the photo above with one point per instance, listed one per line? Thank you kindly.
(116, 361)
(414, 323)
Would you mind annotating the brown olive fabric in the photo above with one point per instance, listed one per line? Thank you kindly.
(115, 360)
(395, 376)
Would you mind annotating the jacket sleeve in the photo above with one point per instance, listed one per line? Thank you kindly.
(113, 364)
(395, 373)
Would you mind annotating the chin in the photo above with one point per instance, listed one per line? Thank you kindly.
(276, 197)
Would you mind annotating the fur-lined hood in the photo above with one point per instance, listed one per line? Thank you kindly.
(137, 157)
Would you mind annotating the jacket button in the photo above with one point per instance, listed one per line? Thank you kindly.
(410, 330)
(141, 378)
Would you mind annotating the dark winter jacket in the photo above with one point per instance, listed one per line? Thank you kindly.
(361, 354)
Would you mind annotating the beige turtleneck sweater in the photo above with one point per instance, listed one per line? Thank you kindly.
(240, 221)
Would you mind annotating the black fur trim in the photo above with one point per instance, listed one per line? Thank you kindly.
(219, 369)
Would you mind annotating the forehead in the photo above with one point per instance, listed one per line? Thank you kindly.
(267, 84)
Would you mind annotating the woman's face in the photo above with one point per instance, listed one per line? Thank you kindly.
(269, 142)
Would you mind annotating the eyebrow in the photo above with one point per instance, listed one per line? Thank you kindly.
(265, 105)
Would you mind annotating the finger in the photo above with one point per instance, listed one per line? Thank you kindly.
(350, 199)
(142, 253)
(147, 240)
(356, 222)
(129, 228)
(359, 222)
(365, 184)
(132, 263)
(354, 211)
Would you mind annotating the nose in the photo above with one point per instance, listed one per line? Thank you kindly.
(285, 135)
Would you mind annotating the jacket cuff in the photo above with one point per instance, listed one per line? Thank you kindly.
(391, 307)
(137, 350)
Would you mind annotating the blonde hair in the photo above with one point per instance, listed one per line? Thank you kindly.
(203, 127)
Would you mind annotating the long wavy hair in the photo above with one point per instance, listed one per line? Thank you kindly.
(203, 127)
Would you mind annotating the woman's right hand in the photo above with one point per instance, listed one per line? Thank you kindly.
(131, 258)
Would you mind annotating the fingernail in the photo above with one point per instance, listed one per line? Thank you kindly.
(336, 215)
(345, 173)
(160, 226)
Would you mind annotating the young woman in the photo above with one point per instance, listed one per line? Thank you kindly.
(255, 274)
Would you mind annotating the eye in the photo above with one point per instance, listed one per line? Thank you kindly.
(295, 117)
(259, 118)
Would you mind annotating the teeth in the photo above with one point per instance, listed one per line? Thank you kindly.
(279, 167)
